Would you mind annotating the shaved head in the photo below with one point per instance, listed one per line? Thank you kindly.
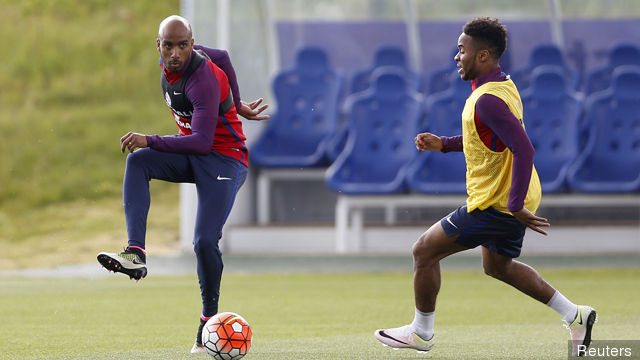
(171, 22)
(175, 42)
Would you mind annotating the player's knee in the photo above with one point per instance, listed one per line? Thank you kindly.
(421, 253)
(494, 270)
(206, 247)
(134, 159)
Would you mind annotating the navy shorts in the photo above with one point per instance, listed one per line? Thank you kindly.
(499, 232)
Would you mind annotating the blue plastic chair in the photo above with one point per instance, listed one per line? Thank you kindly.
(610, 161)
(551, 114)
(383, 121)
(307, 97)
(384, 56)
(544, 54)
(440, 79)
(433, 172)
(337, 143)
(621, 54)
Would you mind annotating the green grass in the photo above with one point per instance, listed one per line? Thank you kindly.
(75, 231)
(79, 75)
(304, 316)
(88, 73)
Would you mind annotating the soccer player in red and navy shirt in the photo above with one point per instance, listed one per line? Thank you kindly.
(199, 86)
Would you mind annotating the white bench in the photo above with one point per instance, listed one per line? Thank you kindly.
(267, 175)
(349, 209)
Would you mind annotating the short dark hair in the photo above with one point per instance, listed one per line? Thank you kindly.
(488, 33)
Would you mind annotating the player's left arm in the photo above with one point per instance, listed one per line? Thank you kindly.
(495, 113)
(248, 110)
(222, 59)
(252, 110)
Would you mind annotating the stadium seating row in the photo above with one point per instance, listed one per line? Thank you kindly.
(590, 145)
(542, 54)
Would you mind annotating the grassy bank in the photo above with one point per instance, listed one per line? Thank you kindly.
(77, 76)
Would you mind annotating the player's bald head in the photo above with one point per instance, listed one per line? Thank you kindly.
(174, 42)
(174, 23)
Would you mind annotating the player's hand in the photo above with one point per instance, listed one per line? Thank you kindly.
(133, 141)
(533, 222)
(428, 141)
(251, 111)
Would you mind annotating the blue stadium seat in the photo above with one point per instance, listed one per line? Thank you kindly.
(433, 172)
(610, 162)
(384, 56)
(337, 143)
(551, 114)
(361, 81)
(544, 54)
(306, 119)
(440, 79)
(383, 121)
(620, 54)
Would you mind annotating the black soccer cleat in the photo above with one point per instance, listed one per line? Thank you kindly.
(130, 262)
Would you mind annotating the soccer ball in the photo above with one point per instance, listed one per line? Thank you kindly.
(226, 336)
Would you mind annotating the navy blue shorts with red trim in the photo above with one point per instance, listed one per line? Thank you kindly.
(497, 231)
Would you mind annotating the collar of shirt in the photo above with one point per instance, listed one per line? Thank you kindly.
(493, 75)
(173, 77)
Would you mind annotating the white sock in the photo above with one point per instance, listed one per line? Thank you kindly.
(563, 307)
(423, 324)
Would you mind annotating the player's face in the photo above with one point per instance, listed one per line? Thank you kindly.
(466, 58)
(175, 45)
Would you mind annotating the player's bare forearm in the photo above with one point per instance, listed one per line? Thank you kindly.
(428, 141)
(533, 222)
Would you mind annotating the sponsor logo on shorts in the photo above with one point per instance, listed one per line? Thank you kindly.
(450, 222)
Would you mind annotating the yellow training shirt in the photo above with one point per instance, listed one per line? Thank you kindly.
(489, 172)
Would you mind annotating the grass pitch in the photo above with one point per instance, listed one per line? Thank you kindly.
(305, 316)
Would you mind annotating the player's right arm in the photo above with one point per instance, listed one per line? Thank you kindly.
(431, 142)
(203, 91)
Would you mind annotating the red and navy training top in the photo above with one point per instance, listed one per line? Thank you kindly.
(205, 129)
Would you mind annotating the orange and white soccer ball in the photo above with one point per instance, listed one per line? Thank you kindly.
(227, 336)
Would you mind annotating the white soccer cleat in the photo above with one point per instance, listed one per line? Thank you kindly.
(580, 330)
(197, 349)
(197, 345)
(403, 338)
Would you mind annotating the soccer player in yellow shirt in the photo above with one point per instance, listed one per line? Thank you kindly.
(504, 194)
